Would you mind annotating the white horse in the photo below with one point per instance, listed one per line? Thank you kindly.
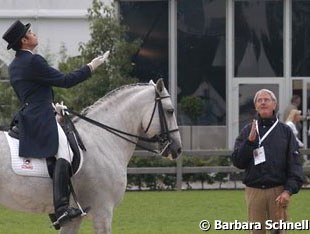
(101, 182)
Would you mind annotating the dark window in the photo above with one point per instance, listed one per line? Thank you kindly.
(258, 38)
(301, 38)
(148, 21)
(201, 62)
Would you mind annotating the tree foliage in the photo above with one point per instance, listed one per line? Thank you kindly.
(107, 33)
(192, 106)
(8, 104)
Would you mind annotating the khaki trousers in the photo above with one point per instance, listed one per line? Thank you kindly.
(262, 206)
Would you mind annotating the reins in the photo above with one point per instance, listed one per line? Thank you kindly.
(161, 138)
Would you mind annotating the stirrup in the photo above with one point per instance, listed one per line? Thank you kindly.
(67, 216)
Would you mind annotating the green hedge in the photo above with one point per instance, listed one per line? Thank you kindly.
(168, 181)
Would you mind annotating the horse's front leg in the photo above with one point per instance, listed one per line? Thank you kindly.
(102, 222)
(71, 227)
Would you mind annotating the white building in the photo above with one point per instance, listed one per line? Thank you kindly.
(57, 23)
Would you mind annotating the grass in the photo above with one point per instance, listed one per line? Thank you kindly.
(161, 213)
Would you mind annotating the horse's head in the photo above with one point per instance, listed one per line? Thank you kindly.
(160, 122)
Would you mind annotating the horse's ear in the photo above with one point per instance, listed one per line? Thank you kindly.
(151, 82)
(160, 85)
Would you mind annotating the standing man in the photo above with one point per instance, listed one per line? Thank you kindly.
(40, 135)
(268, 151)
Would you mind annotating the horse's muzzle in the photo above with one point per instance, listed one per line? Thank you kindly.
(172, 152)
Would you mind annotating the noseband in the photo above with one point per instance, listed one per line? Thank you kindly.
(163, 138)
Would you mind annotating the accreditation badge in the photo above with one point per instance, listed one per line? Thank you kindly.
(259, 155)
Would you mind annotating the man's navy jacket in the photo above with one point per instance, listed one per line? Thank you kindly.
(32, 79)
(283, 161)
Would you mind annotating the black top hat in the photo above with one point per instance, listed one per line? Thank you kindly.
(15, 33)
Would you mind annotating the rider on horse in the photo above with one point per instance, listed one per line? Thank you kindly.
(40, 134)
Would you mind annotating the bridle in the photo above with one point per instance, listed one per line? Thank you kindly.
(163, 138)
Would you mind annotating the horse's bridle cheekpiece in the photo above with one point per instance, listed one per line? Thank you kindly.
(163, 138)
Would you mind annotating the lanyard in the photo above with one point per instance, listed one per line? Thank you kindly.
(266, 134)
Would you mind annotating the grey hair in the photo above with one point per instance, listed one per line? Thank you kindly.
(273, 97)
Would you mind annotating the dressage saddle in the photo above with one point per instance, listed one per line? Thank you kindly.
(14, 132)
(74, 140)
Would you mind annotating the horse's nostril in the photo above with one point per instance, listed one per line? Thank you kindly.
(179, 150)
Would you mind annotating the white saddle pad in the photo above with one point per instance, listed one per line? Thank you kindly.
(30, 166)
(26, 166)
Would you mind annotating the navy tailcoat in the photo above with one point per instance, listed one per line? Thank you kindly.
(32, 80)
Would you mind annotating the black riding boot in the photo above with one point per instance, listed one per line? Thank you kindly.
(61, 192)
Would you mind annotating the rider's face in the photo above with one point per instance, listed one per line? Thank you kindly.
(30, 40)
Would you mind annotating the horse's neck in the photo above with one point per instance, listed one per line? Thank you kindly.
(123, 111)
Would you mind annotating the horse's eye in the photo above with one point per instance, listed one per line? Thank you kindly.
(170, 111)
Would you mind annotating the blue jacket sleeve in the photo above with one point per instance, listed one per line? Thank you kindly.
(242, 155)
(50, 76)
(294, 167)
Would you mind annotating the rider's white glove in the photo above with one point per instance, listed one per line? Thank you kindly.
(96, 62)
(60, 108)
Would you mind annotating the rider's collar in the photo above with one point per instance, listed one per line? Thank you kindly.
(27, 50)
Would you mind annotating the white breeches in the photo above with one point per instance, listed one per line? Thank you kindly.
(64, 150)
